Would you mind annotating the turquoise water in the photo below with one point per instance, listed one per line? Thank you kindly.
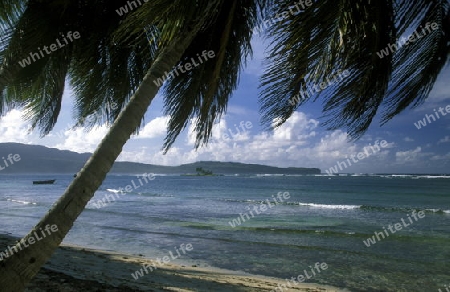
(325, 219)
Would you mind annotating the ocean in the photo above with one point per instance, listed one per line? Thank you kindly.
(282, 224)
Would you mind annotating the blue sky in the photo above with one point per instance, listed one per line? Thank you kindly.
(300, 142)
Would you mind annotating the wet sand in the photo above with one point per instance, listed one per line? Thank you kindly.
(75, 269)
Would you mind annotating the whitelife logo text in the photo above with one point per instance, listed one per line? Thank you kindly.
(53, 48)
(48, 229)
(11, 159)
(415, 36)
(206, 55)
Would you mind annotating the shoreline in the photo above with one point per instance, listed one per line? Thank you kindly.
(72, 268)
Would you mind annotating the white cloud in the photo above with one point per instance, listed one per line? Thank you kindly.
(388, 145)
(446, 139)
(138, 155)
(411, 156)
(441, 157)
(295, 143)
(155, 128)
(222, 134)
(407, 139)
(298, 126)
(299, 142)
(13, 128)
(80, 140)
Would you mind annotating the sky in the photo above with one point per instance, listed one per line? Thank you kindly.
(300, 142)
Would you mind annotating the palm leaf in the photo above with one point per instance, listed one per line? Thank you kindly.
(418, 64)
(203, 92)
(349, 35)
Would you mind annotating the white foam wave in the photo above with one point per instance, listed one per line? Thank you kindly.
(22, 202)
(323, 206)
(433, 176)
(413, 176)
(438, 210)
(113, 190)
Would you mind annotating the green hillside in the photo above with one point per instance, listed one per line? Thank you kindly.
(40, 159)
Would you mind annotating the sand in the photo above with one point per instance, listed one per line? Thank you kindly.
(74, 268)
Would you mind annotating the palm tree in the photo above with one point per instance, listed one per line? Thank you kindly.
(117, 60)
(112, 65)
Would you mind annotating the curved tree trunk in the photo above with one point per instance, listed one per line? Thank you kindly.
(18, 269)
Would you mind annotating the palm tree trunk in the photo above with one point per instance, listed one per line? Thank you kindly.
(18, 269)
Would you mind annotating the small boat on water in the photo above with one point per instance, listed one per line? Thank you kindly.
(44, 182)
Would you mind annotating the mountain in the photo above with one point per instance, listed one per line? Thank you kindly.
(39, 159)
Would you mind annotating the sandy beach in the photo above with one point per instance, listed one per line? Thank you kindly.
(74, 268)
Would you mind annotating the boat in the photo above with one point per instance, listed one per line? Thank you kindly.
(44, 182)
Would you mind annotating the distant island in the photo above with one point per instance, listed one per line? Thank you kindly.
(40, 159)
(202, 172)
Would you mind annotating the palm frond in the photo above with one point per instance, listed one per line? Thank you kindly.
(37, 82)
(349, 36)
(41, 24)
(203, 92)
(308, 49)
(43, 112)
(10, 12)
(105, 76)
(419, 63)
(125, 54)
